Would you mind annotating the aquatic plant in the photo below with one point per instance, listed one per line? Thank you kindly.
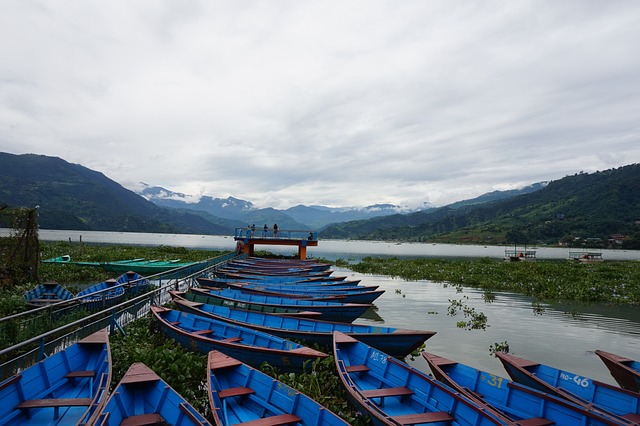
(610, 282)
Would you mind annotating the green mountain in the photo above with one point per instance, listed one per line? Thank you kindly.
(70, 196)
(576, 209)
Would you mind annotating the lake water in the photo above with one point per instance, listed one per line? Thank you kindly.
(564, 336)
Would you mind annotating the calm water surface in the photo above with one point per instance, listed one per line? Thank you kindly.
(564, 336)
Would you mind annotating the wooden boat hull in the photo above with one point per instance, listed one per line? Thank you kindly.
(329, 311)
(239, 393)
(509, 400)
(47, 293)
(102, 295)
(342, 296)
(202, 334)
(68, 387)
(143, 398)
(578, 389)
(624, 370)
(204, 296)
(393, 393)
(393, 341)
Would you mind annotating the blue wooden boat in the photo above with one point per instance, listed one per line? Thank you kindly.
(606, 399)
(140, 265)
(223, 282)
(301, 287)
(624, 370)
(134, 283)
(68, 387)
(47, 293)
(143, 398)
(393, 393)
(250, 346)
(240, 394)
(264, 263)
(329, 311)
(273, 278)
(204, 296)
(102, 295)
(509, 400)
(393, 341)
(343, 296)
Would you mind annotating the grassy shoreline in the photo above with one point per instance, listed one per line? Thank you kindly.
(616, 282)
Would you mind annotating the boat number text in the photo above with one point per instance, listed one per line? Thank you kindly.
(580, 381)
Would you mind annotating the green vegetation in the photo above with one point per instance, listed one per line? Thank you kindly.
(573, 210)
(610, 281)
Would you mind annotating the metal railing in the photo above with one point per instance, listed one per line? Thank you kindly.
(285, 234)
(28, 352)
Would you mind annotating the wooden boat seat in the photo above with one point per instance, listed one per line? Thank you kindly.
(381, 393)
(282, 419)
(55, 402)
(231, 340)
(535, 421)
(433, 417)
(143, 419)
(200, 332)
(238, 391)
(356, 368)
(632, 416)
(78, 374)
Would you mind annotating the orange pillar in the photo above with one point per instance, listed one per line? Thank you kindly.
(302, 252)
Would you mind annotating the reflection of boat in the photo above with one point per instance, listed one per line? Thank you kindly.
(253, 347)
(396, 342)
(625, 371)
(143, 398)
(596, 396)
(586, 256)
(507, 399)
(240, 394)
(393, 393)
(67, 387)
(47, 293)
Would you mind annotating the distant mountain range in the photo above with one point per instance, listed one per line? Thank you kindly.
(297, 217)
(70, 196)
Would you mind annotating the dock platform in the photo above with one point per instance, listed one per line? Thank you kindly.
(248, 238)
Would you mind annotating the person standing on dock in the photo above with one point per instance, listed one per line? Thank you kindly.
(264, 231)
(275, 230)
(248, 231)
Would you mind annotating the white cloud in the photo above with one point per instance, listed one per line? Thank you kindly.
(324, 102)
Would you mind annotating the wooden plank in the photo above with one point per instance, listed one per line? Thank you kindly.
(356, 368)
(55, 402)
(282, 419)
(74, 374)
(237, 391)
(231, 340)
(433, 417)
(142, 420)
(200, 332)
(381, 393)
(10, 381)
(535, 421)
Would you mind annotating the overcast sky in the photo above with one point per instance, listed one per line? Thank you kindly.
(339, 103)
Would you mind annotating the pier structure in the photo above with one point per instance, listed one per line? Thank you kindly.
(247, 238)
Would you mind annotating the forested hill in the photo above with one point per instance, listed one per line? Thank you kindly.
(70, 196)
(576, 209)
